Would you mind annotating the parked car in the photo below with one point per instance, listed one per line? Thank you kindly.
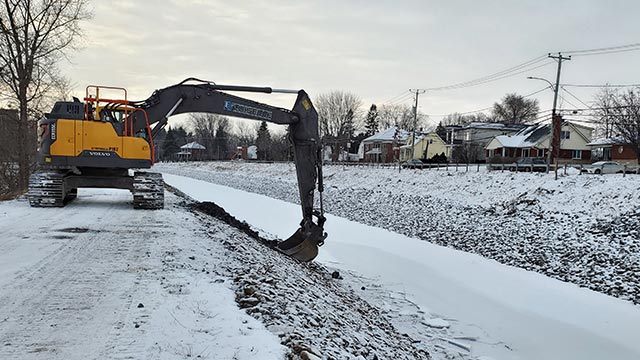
(604, 167)
(529, 164)
(412, 164)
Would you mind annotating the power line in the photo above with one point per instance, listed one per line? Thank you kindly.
(575, 97)
(488, 107)
(401, 99)
(627, 47)
(512, 71)
(600, 86)
(402, 94)
(607, 52)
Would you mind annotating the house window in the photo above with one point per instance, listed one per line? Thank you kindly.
(576, 154)
(525, 152)
(564, 135)
(491, 154)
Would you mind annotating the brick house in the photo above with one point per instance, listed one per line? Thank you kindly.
(613, 149)
(383, 147)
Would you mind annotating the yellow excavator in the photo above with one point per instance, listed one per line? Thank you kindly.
(103, 141)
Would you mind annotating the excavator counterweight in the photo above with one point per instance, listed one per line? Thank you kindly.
(101, 141)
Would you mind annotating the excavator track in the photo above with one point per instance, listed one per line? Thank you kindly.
(46, 189)
(148, 190)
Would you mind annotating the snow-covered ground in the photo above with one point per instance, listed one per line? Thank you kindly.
(583, 229)
(451, 299)
(98, 279)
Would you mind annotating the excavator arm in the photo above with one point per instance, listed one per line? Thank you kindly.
(194, 95)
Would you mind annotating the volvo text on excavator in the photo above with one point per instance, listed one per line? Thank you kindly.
(103, 142)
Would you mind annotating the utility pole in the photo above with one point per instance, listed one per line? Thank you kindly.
(552, 147)
(417, 92)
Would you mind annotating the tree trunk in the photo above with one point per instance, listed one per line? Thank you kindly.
(23, 143)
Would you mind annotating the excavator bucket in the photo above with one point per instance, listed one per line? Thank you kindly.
(303, 244)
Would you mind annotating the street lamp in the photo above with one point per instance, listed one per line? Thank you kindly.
(539, 78)
(553, 113)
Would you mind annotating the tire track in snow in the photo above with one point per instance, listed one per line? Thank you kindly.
(69, 295)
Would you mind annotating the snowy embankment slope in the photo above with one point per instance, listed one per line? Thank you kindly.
(582, 229)
(494, 309)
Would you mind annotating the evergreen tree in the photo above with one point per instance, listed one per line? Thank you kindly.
(263, 142)
(441, 131)
(221, 142)
(170, 145)
(181, 136)
(355, 142)
(158, 143)
(371, 123)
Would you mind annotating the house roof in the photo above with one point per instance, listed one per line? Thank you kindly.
(193, 145)
(389, 135)
(533, 135)
(525, 138)
(606, 141)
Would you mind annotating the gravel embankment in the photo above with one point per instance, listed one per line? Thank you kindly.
(582, 229)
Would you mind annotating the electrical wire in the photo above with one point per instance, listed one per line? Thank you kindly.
(575, 97)
(392, 99)
(603, 50)
(600, 86)
(488, 107)
(513, 71)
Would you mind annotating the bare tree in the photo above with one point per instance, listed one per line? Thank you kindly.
(516, 109)
(620, 112)
(34, 36)
(604, 101)
(340, 115)
(400, 115)
(245, 133)
(464, 119)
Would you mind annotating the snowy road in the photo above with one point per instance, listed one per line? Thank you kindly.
(495, 310)
(99, 280)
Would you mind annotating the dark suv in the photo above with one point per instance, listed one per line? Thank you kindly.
(529, 164)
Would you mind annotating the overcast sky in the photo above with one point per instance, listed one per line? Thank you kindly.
(374, 49)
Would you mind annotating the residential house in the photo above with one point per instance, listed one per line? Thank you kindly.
(467, 143)
(534, 141)
(613, 149)
(383, 147)
(426, 146)
(191, 151)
